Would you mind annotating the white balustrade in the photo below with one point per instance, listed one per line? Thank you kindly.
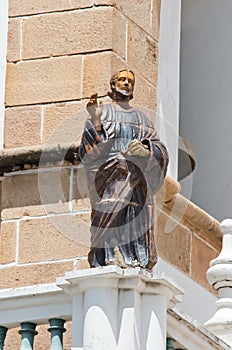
(220, 278)
(110, 308)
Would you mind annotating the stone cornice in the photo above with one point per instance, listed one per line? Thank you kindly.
(180, 208)
(191, 332)
(15, 159)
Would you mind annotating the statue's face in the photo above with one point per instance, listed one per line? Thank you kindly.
(125, 83)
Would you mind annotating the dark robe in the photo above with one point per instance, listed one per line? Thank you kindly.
(122, 187)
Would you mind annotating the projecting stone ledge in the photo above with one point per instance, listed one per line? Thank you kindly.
(170, 201)
(33, 157)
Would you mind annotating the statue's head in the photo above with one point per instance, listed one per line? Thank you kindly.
(122, 85)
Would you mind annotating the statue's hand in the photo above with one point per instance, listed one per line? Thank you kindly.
(95, 109)
(137, 148)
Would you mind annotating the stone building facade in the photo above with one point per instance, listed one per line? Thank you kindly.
(58, 54)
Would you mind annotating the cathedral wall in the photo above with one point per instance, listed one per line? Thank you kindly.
(59, 53)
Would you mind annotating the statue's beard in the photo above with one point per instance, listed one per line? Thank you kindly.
(123, 92)
(120, 95)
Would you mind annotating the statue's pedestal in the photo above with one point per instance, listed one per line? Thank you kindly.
(119, 309)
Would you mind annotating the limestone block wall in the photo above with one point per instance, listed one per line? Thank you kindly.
(41, 238)
(186, 236)
(60, 52)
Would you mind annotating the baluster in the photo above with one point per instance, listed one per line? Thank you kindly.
(28, 333)
(170, 344)
(56, 329)
(3, 331)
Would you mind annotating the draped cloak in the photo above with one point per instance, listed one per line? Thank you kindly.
(122, 186)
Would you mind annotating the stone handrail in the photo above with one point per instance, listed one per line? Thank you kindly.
(85, 297)
(30, 306)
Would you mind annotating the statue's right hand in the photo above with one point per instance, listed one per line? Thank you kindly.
(95, 109)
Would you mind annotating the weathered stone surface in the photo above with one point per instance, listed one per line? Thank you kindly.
(13, 45)
(202, 254)
(67, 33)
(84, 217)
(167, 192)
(8, 242)
(196, 219)
(155, 19)
(145, 96)
(53, 238)
(139, 13)
(81, 204)
(27, 121)
(14, 213)
(213, 235)
(119, 63)
(32, 157)
(18, 276)
(119, 33)
(54, 189)
(104, 2)
(82, 264)
(80, 199)
(173, 242)
(28, 7)
(143, 53)
(22, 193)
(47, 80)
(64, 122)
(97, 74)
(35, 210)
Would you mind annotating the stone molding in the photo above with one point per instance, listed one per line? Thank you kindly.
(173, 203)
(24, 158)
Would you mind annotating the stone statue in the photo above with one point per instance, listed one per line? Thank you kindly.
(125, 165)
